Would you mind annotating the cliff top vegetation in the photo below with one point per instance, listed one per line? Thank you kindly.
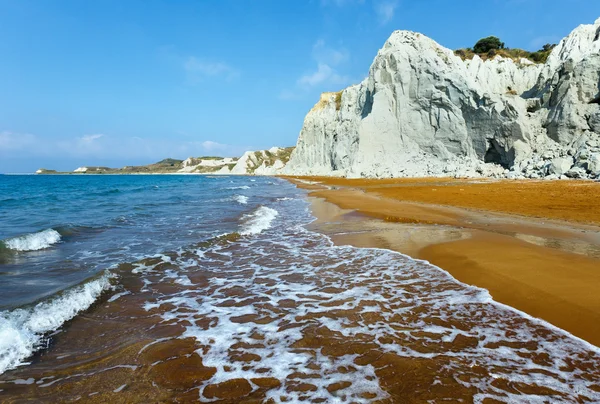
(490, 47)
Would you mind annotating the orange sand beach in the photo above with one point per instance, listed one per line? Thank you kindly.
(535, 245)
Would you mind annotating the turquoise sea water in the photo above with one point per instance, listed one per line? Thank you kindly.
(57, 231)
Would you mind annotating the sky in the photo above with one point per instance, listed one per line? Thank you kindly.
(117, 83)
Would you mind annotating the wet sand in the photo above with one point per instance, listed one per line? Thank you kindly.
(534, 245)
(362, 327)
(283, 316)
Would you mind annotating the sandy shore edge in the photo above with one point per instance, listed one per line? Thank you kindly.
(546, 268)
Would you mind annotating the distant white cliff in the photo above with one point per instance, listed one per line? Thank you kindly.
(423, 111)
(261, 162)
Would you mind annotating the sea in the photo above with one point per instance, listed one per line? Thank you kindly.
(188, 288)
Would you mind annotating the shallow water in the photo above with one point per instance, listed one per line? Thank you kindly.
(57, 231)
(270, 311)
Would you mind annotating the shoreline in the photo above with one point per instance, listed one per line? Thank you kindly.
(274, 310)
(544, 267)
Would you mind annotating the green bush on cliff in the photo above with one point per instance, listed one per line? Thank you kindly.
(490, 47)
(484, 45)
(541, 55)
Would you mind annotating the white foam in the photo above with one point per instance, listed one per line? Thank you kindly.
(118, 295)
(241, 199)
(33, 241)
(240, 187)
(258, 221)
(405, 307)
(22, 330)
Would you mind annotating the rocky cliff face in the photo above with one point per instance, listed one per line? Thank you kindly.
(423, 111)
(261, 162)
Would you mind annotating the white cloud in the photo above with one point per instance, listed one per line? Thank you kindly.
(27, 152)
(209, 145)
(91, 138)
(100, 146)
(323, 75)
(385, 10)
(324, 54)
(199, 70)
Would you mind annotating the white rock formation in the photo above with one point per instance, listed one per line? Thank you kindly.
(80, 170)
(262, 162)
(423, 111)
(193, 164)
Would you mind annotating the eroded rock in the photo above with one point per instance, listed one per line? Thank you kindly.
(422, 111)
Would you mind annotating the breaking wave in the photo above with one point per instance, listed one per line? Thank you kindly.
(23, 331)
(33, 241)
(241, 199)
(258, 221)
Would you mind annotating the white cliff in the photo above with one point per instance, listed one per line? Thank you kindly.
(261, 162)
(203, 164)
(423, 111)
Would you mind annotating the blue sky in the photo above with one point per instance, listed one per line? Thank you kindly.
(131, 82)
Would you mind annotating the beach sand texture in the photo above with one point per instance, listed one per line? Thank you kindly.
(535, 245)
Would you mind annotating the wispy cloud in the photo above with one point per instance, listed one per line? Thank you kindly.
(325, 76)
(91, 138)
(211, 146)
(96, 148)
(326, 73)
(199, 70)
(324, 54)
(385, 10)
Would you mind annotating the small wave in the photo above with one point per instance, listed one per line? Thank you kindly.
(241, 199)
(23, 331)
(33, 241)
(71, 231)
(258, 221)
(240, 187)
